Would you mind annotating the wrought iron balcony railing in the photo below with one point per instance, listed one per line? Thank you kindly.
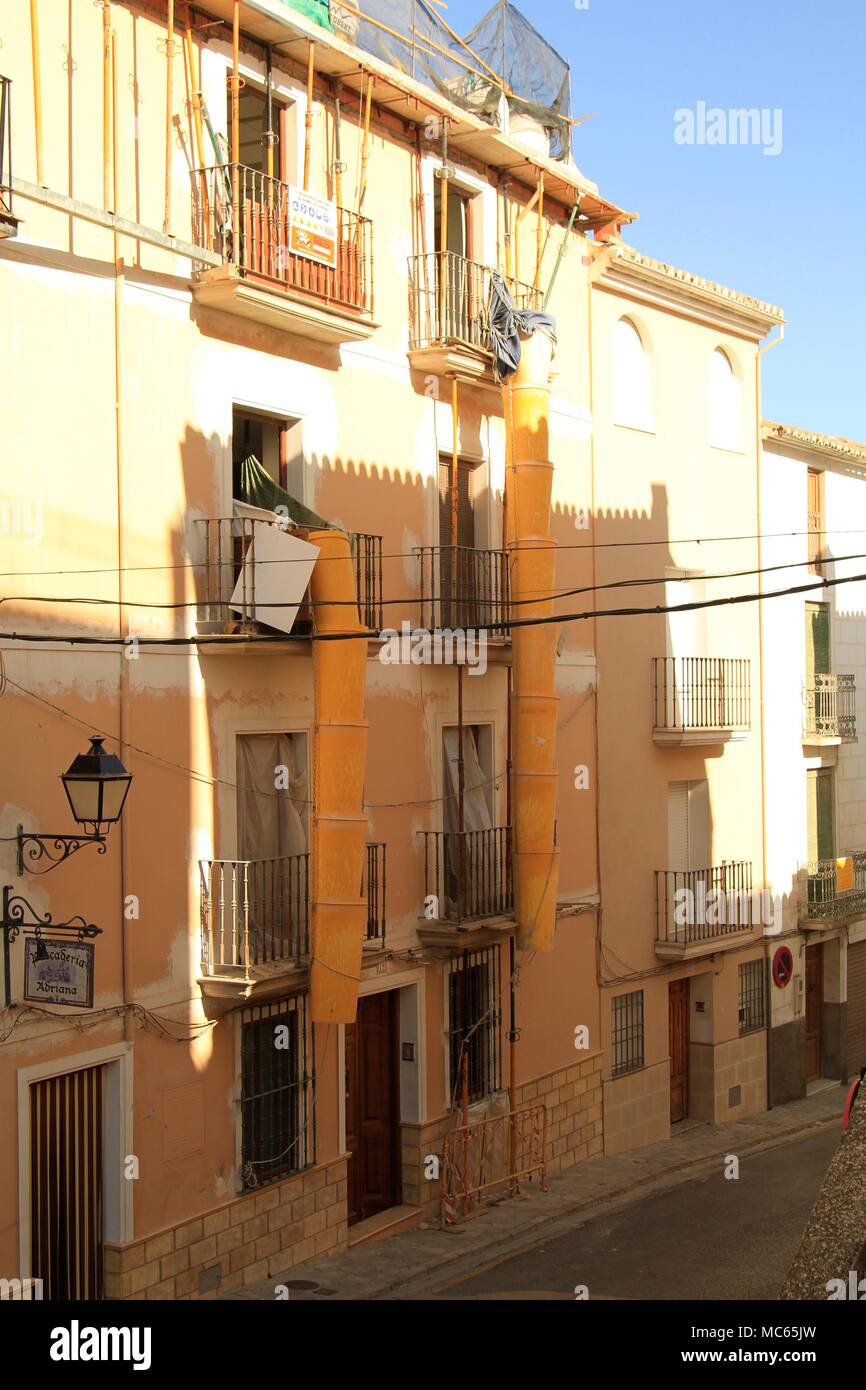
(829, 708)
(834, 888)
(254, 911)
(701, 693)
(467, 874)
(8, 222)
(246, 217)
(686, 913)
(374, 887)
(229, 563)
(462, 587)
(448, 298)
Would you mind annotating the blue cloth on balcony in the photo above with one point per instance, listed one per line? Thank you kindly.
(506, 323)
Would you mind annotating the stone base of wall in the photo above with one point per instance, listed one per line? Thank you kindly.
(788, 1062)
(244, 1242)
(740, 1063)
(637, 1109)
(573, 1099)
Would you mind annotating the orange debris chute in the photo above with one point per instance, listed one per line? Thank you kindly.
(532, 564)
(339, 911)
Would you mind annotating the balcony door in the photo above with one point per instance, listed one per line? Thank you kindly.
(689, 840)
(271, 875)
(458, 577)
(678, 1040)
(459, 305)
(468, 877)
(814, 1012)
(820, 834)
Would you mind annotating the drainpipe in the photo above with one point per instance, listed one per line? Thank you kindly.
(339, 759)
(532, 562)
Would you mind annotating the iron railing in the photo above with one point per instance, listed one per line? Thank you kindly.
(465, 588)
(254, 911)
(701, 693)
(7, 218)
(261, 207)
(467, 873)
(685, 912)
(829, 708)
(375, 888)
(448, 300)
(486, 1161)
(822, 896)
(229, 542)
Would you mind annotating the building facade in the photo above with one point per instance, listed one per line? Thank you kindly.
(225, 400)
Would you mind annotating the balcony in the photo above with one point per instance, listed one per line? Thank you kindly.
(702, 911)
(701, 699)
(829, 710)
(463, 588)
(467, 881)
(448, 314)
(264, 278)
(255, 923)
(373, 888)
(231, 600)
(8, 222)
(833, 891)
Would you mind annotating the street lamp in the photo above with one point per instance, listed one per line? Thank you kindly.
(96, 786)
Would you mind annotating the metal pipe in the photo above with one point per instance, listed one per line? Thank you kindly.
(308, 117)
(37, 86)
(270, 137)
(455, 499)
(362, 178)
(169, 103)
(560, 257)
(106, 107)
(506, 215)
(338, 149)
(236, 133)
(539, 230)
(195, 98)
(443, 235)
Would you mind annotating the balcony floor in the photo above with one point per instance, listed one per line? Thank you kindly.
(225, 288)
(235, 984)
(687, 738)
(706, 946)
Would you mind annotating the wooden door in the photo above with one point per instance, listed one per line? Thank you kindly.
(372, 1107)
(66, 1184)
(814, 1012)
(678, 1027)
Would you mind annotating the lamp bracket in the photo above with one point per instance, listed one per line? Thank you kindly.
(32, 849)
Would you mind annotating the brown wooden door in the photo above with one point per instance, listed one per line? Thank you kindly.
(66, 1184)
(372, 1107)
(678, 1026)
(814, 1012)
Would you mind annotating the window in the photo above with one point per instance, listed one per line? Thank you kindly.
(815, 517)
(725, 424)
(274, 445)
(274, 1091)
(627, 1033)
(820, 827)
(632, 395)
(753, 997)
(272, 795)
(475, 1024)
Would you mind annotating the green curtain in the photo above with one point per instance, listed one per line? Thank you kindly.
(257, 488)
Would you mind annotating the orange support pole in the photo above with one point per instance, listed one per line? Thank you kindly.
(532, 563)
(339, 912)
(37, 86)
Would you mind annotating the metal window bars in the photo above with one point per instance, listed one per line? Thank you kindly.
(448, 298)
(467, 873)
(686, 913)
(277, 1091)
(254, 911)
(702, 693)
(829, 707)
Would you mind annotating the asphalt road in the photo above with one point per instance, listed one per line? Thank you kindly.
(712, 1238)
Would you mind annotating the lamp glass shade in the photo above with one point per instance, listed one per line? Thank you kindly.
(96, 785)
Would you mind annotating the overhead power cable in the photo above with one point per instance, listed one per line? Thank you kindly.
(509, 624)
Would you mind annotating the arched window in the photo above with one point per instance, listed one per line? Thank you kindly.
(632, 395)
(725, 424)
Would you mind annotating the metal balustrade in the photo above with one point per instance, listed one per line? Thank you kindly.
(829, 708)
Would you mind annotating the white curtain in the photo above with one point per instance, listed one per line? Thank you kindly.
(272, 792)
(477, 792)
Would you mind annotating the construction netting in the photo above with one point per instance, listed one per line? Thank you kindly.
(503, 48)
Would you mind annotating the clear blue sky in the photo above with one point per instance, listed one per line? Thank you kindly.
(789, 228)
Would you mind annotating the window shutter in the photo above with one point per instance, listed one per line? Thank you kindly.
(817, 639)
(678, 825)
